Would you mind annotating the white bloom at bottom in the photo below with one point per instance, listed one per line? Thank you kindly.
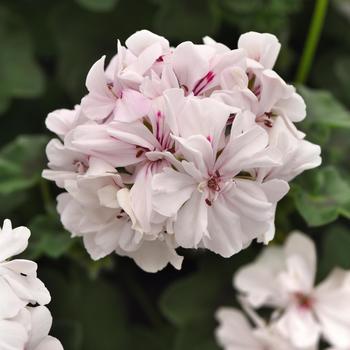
(283, 278)
(236, 333)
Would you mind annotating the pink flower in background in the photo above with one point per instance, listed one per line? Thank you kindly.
(190, 147)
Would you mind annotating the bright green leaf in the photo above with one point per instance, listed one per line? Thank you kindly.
(323, 197)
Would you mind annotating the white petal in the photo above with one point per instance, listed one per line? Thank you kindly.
(332, 306)
(257, 281)
(41, 325)
(225, 234)
(234, 331)
(12, 241)
(49, 343)
(142, 39)
(262, 47)
(191, 223)
(171, 189)
(300, 326)
(302, 264)
(10, 302)
(13, 335)
(153, 256)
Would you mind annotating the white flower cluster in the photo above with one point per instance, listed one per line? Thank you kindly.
(282, 279)
(191, 146)
(23, 326)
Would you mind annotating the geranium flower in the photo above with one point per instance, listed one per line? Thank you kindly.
(22, 326)
(284, 278)
(236, 333)
(202, 138)
(19, 284)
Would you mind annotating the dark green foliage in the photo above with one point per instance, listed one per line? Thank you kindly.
(46, 50)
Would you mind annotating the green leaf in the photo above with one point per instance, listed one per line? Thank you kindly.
(48, 238)
(260, 15)
(323, 197)
(189, 299)
(20, 75)
(187, 20)
(21, 163)
(98, 5)
(9, 202)
(96, 306)
(335, 250)
(82, 40)
(323, 108)
(160, 340)
(197, 336)
(335, 74)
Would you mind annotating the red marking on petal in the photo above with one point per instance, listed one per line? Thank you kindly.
(139, 153)
(203, 82)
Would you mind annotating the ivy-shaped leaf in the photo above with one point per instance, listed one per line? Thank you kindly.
(323, 197)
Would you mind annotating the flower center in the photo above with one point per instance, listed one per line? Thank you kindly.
(80, 167)
(214, 183)
(304, 301)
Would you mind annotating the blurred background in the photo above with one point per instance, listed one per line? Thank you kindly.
(46, 50)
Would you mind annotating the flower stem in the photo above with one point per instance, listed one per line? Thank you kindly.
(312, 40)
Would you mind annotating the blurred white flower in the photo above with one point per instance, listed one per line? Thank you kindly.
(284, 278)
(236, 333)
